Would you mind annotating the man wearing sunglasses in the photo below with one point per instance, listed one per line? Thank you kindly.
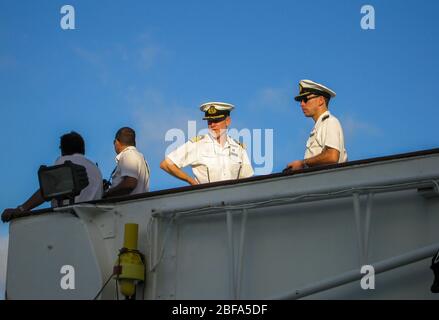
(326, 142)
(214, 156)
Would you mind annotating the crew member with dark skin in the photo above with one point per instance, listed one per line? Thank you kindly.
(72, 148)
(131, 175)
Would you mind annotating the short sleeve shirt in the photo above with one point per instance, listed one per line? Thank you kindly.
(212, 162)
(131, 163)
(327, 132)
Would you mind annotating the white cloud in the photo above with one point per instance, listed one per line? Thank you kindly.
(147, 51)
(154, 115)
(3, 259)
(277, 100)
(148, 56)
(88, 56)
(96, 61)
(353, 127)
(142, 54)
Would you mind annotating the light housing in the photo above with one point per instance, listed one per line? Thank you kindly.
(64, 181)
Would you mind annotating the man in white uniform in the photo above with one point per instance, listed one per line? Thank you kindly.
(214, 156)
(326, 142)
(131, 175)
(72, 149)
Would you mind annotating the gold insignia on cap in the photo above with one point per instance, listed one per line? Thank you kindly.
(211, 110)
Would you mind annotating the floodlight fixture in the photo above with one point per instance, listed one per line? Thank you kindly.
(61, 182)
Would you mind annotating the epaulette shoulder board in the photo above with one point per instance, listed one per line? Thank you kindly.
(240, 143)
(325, 117)
(197, 138)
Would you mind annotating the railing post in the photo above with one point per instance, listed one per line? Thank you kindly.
(367, 225)
(357, 212)
(241, 254)
(229, 220)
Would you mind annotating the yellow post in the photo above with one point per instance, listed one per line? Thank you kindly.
(132, 267)
(131, 234)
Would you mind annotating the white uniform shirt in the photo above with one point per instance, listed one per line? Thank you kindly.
(327, 132)
(94, 189)
(212, 162)
(131, 163)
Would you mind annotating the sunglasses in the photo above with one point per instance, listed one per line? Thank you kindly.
(215, 120)
(307, 98)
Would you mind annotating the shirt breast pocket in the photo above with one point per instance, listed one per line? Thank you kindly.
(116, 172)
(235, 167)
(210, 163)
(313, 142)
(207, 160)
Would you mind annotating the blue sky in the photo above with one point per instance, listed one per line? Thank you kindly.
(150, 64)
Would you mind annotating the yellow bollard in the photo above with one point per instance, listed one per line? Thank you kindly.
(129, 265)
(130, 237)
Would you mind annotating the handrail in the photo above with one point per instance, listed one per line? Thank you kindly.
(270, 176)
(234, 182)
(354, 275)
(298, 197)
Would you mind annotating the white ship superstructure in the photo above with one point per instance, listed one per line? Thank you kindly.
(305, 235)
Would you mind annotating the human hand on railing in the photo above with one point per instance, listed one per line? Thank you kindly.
(287, 170)
(296, 165)
(192, 181)
(292, 166)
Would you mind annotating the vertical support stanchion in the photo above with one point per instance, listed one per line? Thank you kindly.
(241, 254)
(357, 212)
(231, 254)
(154, 254)
(367, 226)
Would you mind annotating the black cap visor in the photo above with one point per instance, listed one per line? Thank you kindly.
(307, 92)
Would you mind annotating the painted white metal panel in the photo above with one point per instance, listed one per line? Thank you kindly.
(39, 247)
(299, 230)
